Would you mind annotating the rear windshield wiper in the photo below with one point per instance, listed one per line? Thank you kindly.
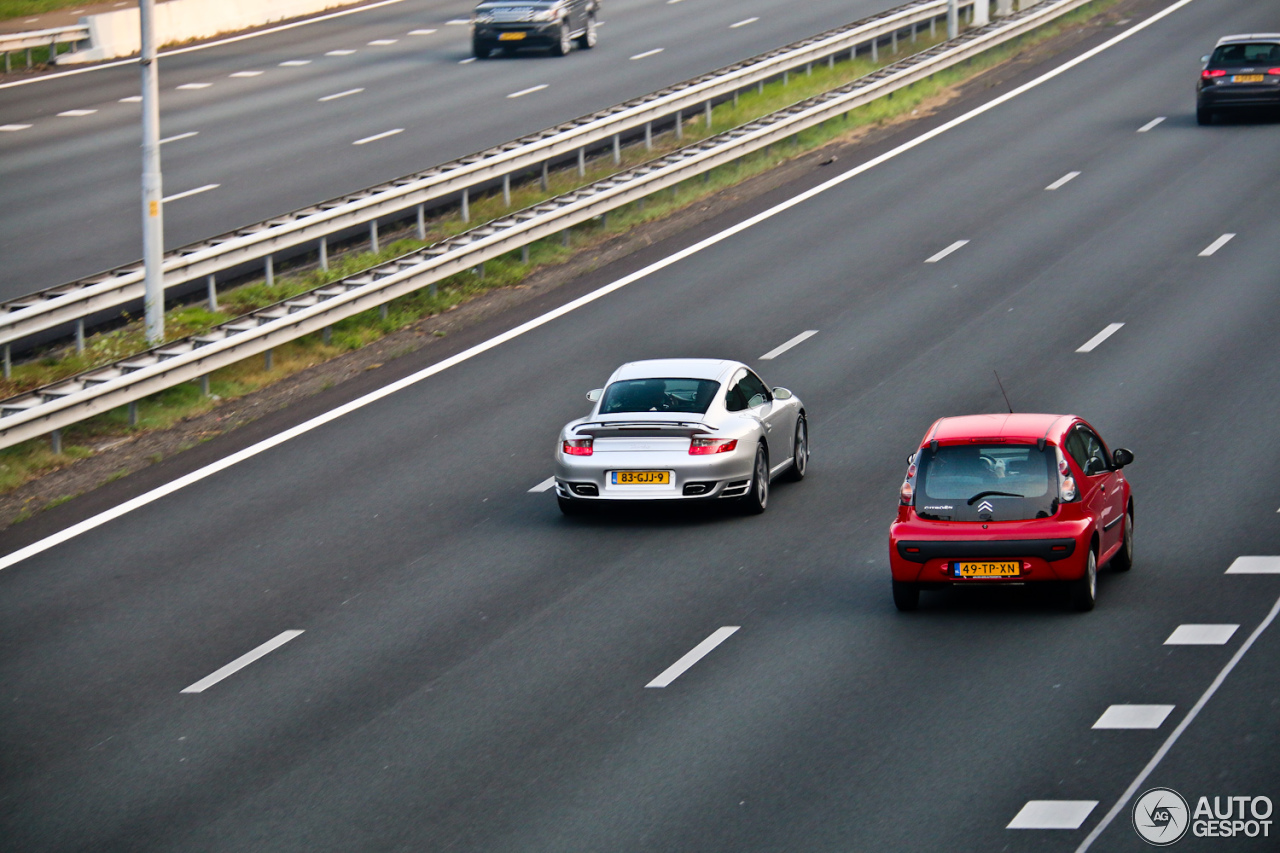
(980, 495)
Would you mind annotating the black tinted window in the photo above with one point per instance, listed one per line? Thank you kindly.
(972, 482)
(692, 396)
(1238, 55)
(747, 392)
(1088, 451)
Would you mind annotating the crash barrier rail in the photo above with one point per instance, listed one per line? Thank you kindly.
(49, 409)
(396, 200)
(73, 35)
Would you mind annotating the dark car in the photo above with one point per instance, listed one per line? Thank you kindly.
(517, 24)
(1243, 72)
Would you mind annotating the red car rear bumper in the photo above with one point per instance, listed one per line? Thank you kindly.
(1049, 549)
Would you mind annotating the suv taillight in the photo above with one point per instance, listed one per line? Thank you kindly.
(577, 447)
(707, 446)
(1210, 73)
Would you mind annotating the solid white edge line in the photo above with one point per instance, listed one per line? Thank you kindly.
(1177, 733)
(203, 189)
(176, 51)
(1063, 181)
(1097, 339)
(378, 136)
(1155, 121)
(648, 53)
(241, 662)
(545, 485)
(180, 136)
(529, 91)
(798, 339)
(340, 95)
(569, 307)
(694, 655)
(959, 244)
(1216, 245)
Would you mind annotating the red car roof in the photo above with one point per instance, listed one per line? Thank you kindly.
(1022, 428)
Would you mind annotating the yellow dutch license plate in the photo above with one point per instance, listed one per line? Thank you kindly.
(989, 569)
(511, 37)
(642, 478)
(1247, 78)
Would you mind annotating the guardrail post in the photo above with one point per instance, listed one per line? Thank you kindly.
(706, 112)
(648, 135)
(422, 222)
(267, 359)
(679, 124)
(269, 269)
(933, 28)
(28, 57)
(981, 15)
(582, 162)
(545, 185)
(79, 335)
(326, 334)
(1004, 8)
(831, 61)
(133, 413)
(564, 238)
(893, 42)
(524, 254)
(953, 19)
(382, 311)
(211, 283)
(617, 150)
(8, 363)
(55, 439)
(373, 236)
(506, 190)
(324, 254)
(204, 385)
(7, 66)
(786, 78)
(875, 51)
(466, 204)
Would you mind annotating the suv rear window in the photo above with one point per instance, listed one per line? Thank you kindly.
(975, 482)
(1239, 55)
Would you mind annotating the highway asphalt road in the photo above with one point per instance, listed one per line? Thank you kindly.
(271, 124)
(471, 670)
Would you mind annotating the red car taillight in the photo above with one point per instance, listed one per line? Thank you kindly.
(1210, 73)
(577, 447)
(906, 493)
(706, 446)
(1274, 72)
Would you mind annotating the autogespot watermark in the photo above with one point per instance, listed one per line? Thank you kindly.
(1162, 816)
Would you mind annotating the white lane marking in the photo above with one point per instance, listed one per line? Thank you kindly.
(1063, 181)
(188, 193)
(378, 136)
(545, 485)
(798, 339)
(953, 247)
(1151, 124)
(648, 53)
(76, 113)
(10, 128)
(696, 654)
(1201, 635)
(243, 74)
(180, 136)
(343, 52)
(529, 91)
(382, 42)
(421, 32)
(132, 99)
(1216, 245)
(372, 397)
(458, 22)
(1177, 733)
(673, 2)
(241, 662)
(467, 61)
(340, 95)
(1134, 717)
(1052, 814)
(294, 63)
(1092, 344)
(194, 86)
(1255, 566)
(743, 23)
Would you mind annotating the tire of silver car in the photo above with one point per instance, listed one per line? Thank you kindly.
(1123, 560)
(906, 596)
(1084, 592)
(588, 39)
(564, 44)
(756, 499)
(799, 452)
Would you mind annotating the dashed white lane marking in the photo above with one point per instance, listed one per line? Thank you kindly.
(743, 23)
(340, 53)
(953, 247)
(189, 193)
(421, 32)
(648, 53)
(340, 95)
(1052, 814)
(1150, 124)
(382, 42)
(378, 136)
(132, 99)
(1134, 717)
(545, 485)
(698, 652)
(458, 22)
(1216, 245)
(76, 113)
(1201, 635)
(180, 136)
(1092, 343)
(10, 128)
(467, 61)
(194, 86)
(529, 91)
(241, 662)
(798, 339)
(1063, 181)
(1255, 566)
(244, 74)
(294, 63)
(673, 2)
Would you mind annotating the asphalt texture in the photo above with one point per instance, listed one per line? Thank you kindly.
(472, 670)
(69, 201)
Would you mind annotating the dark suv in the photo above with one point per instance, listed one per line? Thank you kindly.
(1243, 72)
(513, 24)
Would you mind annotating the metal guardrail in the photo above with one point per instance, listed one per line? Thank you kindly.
(67, 303)
(63, 403)
(52, 37)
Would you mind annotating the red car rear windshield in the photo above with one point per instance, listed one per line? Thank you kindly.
(997, 482)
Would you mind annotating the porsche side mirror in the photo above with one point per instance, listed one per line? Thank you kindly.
(1121, 457)
(595, 394)
(782, 394)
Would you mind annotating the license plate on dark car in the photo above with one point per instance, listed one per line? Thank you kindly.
(511, 37)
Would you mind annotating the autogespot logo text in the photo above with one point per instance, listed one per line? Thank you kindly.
(1161, 817)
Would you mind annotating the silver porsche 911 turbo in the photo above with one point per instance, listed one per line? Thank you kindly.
(682, 429)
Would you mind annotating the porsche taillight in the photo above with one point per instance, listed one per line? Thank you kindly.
(707, 446)
(577, 447)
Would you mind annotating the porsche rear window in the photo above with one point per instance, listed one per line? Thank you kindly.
(691, 396)
(1239, 55)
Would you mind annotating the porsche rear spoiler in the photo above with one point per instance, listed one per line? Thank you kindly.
(643, 429)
